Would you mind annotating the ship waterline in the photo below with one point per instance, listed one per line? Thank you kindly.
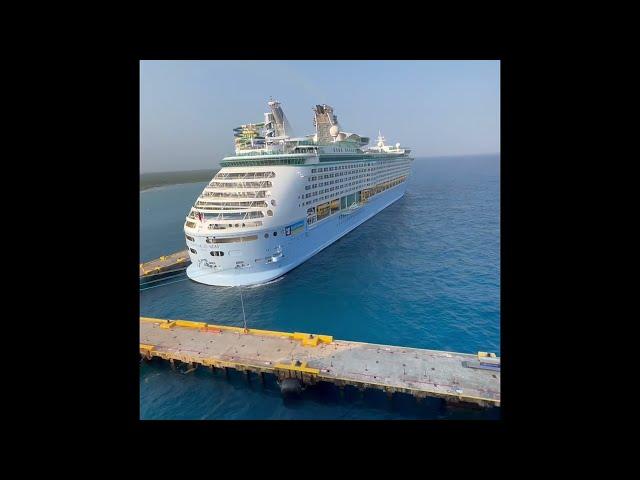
(280, 200)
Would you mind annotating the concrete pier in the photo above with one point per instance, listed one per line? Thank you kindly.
(455, 377)
(169, 263)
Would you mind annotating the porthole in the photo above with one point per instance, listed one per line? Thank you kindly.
(193, 251)
(270, 213)
(273, 202)
(266, 235)
(275, 234)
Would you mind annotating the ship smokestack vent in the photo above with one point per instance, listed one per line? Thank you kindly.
(324, 119)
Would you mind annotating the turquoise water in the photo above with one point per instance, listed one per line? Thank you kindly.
(424, 272)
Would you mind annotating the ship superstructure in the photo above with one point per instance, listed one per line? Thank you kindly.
(281, 199)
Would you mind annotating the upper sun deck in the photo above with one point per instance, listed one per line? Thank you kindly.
(272, 142)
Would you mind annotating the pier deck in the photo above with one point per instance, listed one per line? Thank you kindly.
(169, 263)
(455, 377)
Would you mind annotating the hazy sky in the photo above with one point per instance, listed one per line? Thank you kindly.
(188, 109)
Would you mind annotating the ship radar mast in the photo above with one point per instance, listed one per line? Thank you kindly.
(326, 123)
(380, 139)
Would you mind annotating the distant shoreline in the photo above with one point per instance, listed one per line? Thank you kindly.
(161, 179)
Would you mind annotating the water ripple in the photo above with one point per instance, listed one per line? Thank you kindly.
(424, 272)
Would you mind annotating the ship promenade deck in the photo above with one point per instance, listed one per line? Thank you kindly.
(309, 358)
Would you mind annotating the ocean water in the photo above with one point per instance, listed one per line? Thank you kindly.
(424, 272)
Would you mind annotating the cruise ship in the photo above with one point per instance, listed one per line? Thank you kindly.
(281, 199)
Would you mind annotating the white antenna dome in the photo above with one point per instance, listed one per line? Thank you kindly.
(341, 135)
(397, 145)
(334, 130)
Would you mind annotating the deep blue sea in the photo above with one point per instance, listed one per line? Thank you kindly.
(424, 272)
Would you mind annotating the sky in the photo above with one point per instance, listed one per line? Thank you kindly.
(188, 109)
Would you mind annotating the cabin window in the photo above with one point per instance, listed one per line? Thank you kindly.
(248, 238)
(191, 239)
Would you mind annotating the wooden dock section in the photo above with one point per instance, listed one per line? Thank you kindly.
(165, 264)
(309, 359)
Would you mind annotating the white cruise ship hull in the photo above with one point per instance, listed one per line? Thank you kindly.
(294, 249)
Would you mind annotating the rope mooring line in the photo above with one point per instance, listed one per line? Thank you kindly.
(176, 281)
(163, 284)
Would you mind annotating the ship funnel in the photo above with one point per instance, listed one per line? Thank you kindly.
(325, 121)
(281, 124)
